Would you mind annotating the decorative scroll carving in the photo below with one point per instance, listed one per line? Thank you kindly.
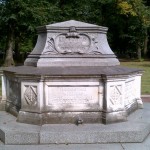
(30, 95)
(94, 49)
(50, 49)
(116, 95)
(73, 33)
(72, 43)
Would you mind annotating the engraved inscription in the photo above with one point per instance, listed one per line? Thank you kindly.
(73, 95)
(68, 44)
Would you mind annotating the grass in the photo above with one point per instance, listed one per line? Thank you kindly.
(145, 65)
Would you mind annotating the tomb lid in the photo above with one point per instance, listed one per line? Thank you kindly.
(67, 24)
(72, 43)
(72, 23)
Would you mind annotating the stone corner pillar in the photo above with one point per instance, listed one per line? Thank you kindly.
(3, 99)
(140, 103)
(113, 102)
(138, 90)
(31, 102)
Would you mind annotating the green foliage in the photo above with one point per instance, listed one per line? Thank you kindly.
(128, 20)
(126, 8)
(138, 14)
(20, 18)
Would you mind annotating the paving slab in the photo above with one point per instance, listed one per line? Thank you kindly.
(96, 133)
(138, 146)
(12, 132)
(64, 147)
(115, 146)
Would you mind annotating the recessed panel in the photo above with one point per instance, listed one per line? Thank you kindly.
(75, 97)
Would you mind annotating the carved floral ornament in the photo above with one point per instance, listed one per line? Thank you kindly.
(72, 43)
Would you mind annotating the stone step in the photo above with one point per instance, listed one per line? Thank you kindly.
(134, 130)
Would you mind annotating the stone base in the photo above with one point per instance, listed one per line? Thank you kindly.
(59, 117)
(135, 129)
(2, 105)
(58, 95)
(114, 117)
(11, 108)
(76, 117)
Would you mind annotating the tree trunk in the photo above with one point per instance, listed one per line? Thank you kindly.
(139, 51)
(9, 61)
(146, 43)
(17, 52)
(61, 4)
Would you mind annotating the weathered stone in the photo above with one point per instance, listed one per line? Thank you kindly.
(71, 76)
(72, 43)
(135, 130)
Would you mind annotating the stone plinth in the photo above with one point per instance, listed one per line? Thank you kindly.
(68, 95)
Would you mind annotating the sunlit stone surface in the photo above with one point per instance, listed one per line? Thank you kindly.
(71, 76)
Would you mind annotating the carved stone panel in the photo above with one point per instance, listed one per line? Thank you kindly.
(72, 45)
(130, 91)
(50, 48)
(30, 95)
(116, 94)
(73, 95)
(72, 98)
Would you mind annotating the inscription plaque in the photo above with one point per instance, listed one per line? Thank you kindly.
(79, 44)
(72, 95)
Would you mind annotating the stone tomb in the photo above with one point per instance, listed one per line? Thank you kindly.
(71, 76)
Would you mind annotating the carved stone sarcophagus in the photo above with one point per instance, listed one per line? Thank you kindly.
(72, 76)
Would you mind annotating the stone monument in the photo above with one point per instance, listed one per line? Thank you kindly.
(71, 76)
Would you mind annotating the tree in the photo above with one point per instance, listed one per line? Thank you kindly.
(128, 21)
(19, 18)
(141, 13)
